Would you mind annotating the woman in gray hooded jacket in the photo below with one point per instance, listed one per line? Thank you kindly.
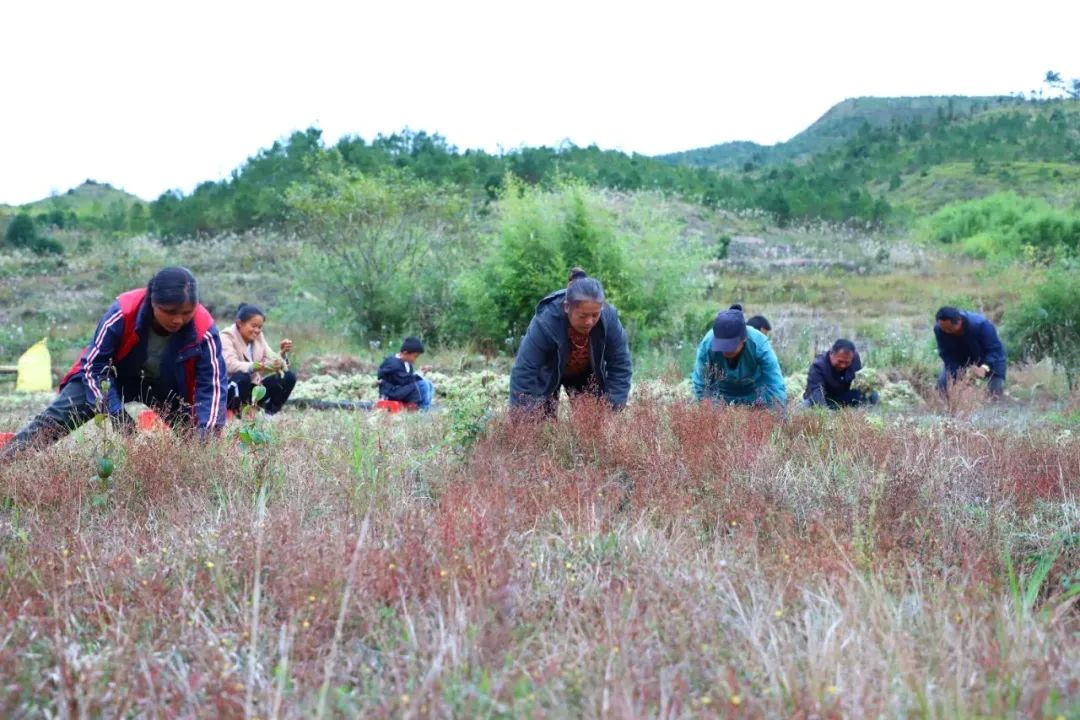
(574, 341)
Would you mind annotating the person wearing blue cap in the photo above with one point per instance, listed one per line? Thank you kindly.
(736, 364)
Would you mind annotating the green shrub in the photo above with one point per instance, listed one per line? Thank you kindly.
(631, 244)
(384, 249)
(22, 233)
(1006, 225)
(1046, 324)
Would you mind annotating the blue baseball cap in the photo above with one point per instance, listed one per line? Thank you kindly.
(729, 328)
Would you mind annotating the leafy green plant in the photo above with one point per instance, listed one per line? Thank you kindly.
(1046, 323)
(104, 465)
(251, 434)
(387, 247)
(1006, 225)
(1025, 589)
(650, 272)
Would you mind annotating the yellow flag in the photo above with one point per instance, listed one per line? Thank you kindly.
(35, 369)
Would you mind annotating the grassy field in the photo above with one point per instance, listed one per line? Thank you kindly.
(672, 560)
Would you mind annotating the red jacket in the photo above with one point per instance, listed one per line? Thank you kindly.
(199, 366)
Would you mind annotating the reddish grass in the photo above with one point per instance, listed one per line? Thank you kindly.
(668, 560)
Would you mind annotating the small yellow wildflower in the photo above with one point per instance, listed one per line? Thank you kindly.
(404, 699)
(779, 613)
(832, 690)
(306, 624)
(209, 565)
(311, 598)
(443, 573)
(735, 700)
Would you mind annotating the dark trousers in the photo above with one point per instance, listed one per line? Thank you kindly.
(851, 398)
(278, 389)
(995, 386)
(575, 386)
(71, 409)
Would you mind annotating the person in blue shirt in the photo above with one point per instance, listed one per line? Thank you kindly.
(969, 340)
(736, 365)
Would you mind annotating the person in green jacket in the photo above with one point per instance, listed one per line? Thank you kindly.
(736, 365)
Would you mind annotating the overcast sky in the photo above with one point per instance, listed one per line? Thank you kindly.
(150, 96)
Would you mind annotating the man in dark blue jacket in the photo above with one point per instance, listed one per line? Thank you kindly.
(967, 339)
(828, 382)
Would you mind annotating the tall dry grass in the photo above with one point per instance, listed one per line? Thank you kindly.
(669, 561)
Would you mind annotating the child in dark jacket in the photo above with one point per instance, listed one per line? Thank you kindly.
(398, 379)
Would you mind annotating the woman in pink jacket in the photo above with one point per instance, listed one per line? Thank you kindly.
(249, 362)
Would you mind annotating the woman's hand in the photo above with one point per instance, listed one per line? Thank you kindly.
(285, 345)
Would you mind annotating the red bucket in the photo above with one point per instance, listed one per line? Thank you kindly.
(394, 406)
(5, 438)
(150, 421)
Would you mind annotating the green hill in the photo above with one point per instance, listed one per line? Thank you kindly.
(90, 205)
(91, 198)
(841, 123)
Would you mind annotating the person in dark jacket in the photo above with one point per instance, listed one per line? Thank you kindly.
(760, 323)
(969, 340)
(155, 345)
(398, 379)
(828, 382)
(574, 341)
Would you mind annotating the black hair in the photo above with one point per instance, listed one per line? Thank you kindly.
(577, 273)
(173, 286)
(584, 289)
(412, 345)
(759, 322)
(948, 313)
(843, 345)
(246, 311)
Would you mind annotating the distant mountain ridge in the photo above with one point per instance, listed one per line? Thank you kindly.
(839, 124)
(82, 197)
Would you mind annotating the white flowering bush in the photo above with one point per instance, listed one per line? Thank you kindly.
(486, 387)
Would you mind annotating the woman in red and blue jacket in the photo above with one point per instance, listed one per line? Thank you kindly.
(155, 345)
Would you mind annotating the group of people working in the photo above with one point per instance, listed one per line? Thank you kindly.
(158, 345)
(576, 342)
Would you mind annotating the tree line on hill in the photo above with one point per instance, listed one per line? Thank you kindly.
(849, 181)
